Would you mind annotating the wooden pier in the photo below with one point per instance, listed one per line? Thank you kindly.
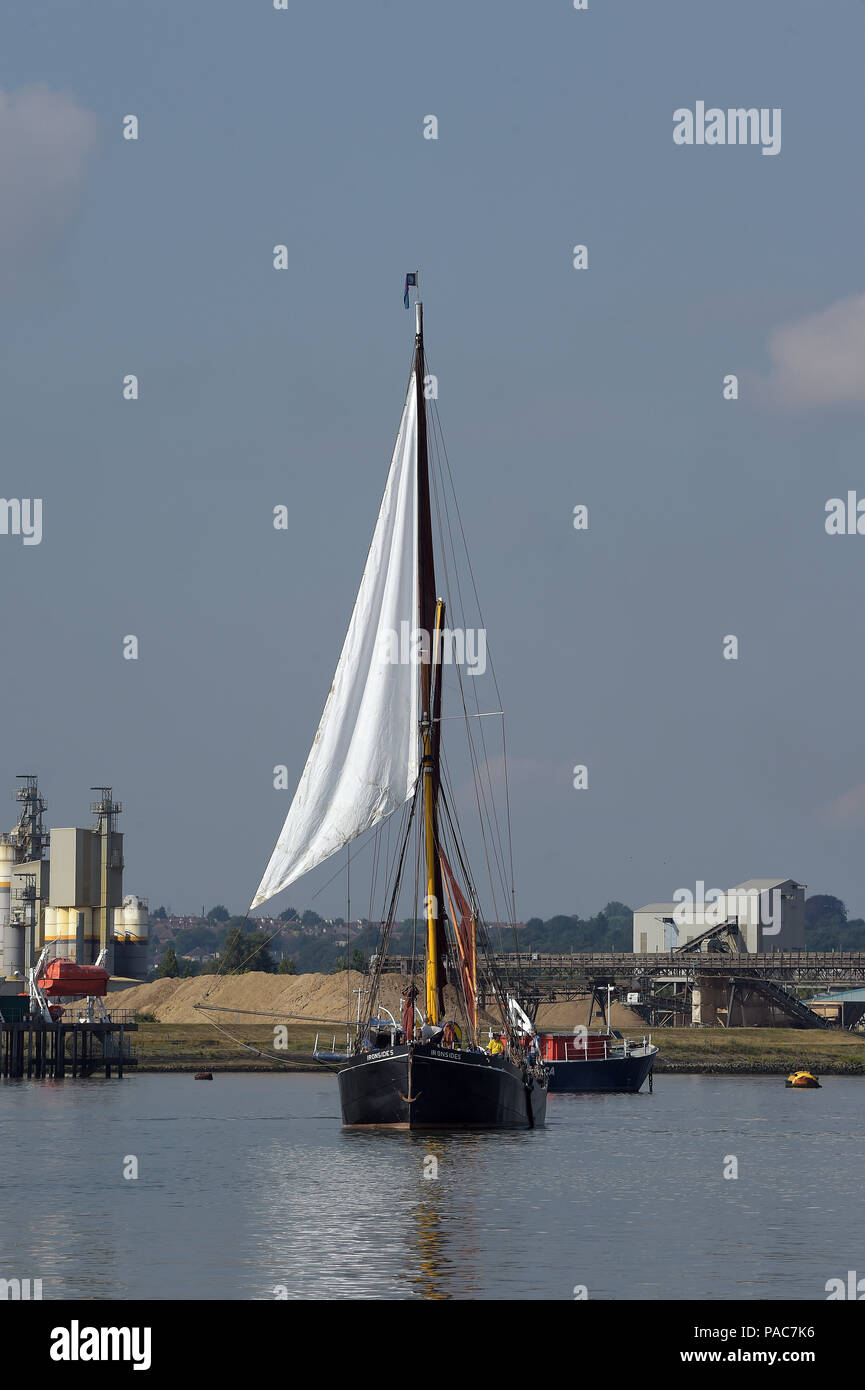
(31, 1047)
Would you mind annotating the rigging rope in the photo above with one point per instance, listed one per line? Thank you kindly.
(487, 812)
(270, 1057)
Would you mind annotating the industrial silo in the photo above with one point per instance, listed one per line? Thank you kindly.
(7, 859)
(84, 949)
(61, 927)
(132, 925)
(51, 931)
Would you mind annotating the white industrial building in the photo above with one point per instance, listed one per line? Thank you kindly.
(761, 914)
(69, 900)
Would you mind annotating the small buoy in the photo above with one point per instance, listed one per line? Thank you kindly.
(204, 1076)
(803, 1081)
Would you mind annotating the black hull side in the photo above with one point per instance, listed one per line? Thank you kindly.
(426, 1087)
(612, 1074)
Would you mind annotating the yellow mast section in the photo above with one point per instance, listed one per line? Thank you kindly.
(432, 906)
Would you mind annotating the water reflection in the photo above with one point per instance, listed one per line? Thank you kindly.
(251, 1189)
(424, 1236)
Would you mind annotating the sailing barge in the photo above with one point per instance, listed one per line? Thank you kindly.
(378, 750)
(422, 1085)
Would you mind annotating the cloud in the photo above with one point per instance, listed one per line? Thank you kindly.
(848, 809)
(525, 776)
(820, 360)
(45, 138)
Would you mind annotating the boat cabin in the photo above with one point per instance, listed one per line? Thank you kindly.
(382, 1033)
(579, 1047)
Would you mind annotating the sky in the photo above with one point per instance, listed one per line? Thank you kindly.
(558, 386)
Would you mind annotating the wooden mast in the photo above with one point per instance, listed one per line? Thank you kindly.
(430, 618)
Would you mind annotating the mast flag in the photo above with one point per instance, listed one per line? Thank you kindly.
(410, 280)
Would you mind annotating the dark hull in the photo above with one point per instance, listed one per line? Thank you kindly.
(421, 1086)
(611, 1074)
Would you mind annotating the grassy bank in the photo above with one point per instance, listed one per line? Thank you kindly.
(200, 1047)
(766, 1051)
(742, 1051)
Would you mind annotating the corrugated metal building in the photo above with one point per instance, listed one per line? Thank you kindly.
(761, 914)
(842, 1006)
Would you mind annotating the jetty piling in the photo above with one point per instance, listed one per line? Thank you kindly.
(51, 1051)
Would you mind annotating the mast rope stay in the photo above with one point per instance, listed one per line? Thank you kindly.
(487, 807)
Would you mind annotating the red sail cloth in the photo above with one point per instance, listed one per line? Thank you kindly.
(409, 995)
(464, 931)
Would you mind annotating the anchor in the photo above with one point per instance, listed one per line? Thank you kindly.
(409, 1099)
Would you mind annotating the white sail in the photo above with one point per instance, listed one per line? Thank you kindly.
(364, 760)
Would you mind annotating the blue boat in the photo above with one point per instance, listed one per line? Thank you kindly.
(602, 1061)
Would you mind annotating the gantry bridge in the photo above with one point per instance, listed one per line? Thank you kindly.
(666, 979)
(792, 967)
(580, 970)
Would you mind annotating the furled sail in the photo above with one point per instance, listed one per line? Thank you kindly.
(364, 760)
(463, 923)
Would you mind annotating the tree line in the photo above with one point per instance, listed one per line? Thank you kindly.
(827, 928)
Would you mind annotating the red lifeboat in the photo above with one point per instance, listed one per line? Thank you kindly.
(64, 979)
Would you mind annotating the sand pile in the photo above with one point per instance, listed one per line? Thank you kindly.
(316, 997)
(568, 1015)
(320, 998)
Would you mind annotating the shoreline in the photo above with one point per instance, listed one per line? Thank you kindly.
(189, 1068)
(758, 1069)
(190, 1047)
(662, 1068)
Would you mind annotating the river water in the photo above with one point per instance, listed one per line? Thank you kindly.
(248, 1188)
